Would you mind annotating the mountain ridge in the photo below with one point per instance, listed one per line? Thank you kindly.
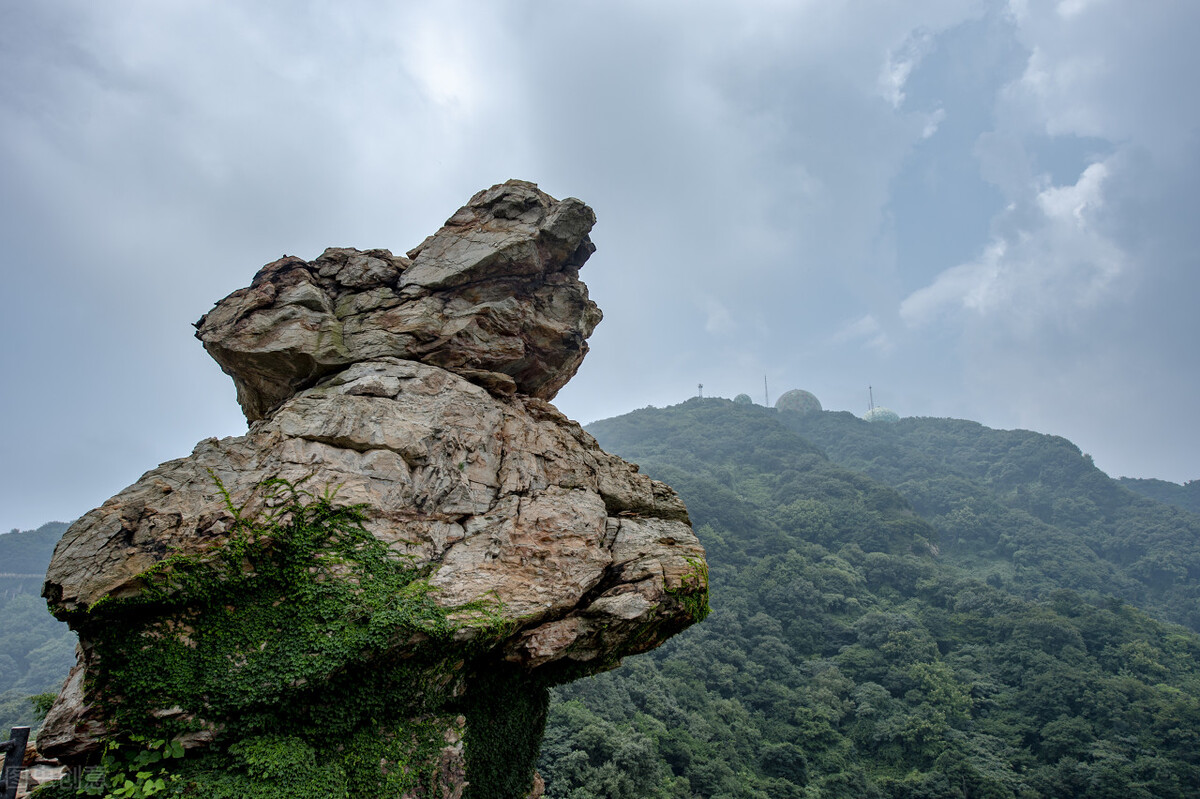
(862, 645)
(874, 632)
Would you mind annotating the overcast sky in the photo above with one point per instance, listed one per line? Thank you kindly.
(985, 210)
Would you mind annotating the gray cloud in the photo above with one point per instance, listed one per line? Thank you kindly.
(1060, 319)
(828, 195)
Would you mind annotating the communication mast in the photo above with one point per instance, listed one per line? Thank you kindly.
(700, 391)
(871, 395)
(766, 394)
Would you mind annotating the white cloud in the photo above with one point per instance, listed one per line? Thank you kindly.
(1071, 8)
(442, 56)
(867, 331)
(932, 122)
(1068, 204)
(1057, 263)
(899, 65)
(1108, 70)
(1059, 87)
(717, 319)
(968, 286)
(168, 149)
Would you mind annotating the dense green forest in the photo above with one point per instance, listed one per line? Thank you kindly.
(917, 610)
(1186, 496)
(28, 553)
(36, 650)
(925, 609)
(1027, 510)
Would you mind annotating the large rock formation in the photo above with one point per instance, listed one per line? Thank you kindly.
(493, 296)
(492, 550)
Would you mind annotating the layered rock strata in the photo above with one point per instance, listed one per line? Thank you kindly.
(417, 389)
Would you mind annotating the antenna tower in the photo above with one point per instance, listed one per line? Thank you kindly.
(700, 389)
(766, 394)
(871, 394)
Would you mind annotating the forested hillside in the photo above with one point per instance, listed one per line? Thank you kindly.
(922, 610)
(1029, 511)
(36, 650)
(990, 624)
(1186, 496)
(28, 552)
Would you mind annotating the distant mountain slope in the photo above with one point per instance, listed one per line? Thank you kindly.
(930, 613)
(846, 657)
(1186, 496)
(29, 551)
(36, 650)
(738, 468)
(1028, 508)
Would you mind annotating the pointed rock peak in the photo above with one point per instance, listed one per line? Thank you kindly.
(493, 296)
(510, 230)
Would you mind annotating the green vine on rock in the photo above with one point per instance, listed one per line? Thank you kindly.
(133, 772)
(692, 591)
(310, 653)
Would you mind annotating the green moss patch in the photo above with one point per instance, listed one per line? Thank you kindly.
(316, 659)
(506, 718)
(692, 592)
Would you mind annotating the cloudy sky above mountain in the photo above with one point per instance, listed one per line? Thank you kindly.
(985, 210)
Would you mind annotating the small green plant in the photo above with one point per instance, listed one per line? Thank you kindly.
(42, 704)
(692, 592)
(134, 771)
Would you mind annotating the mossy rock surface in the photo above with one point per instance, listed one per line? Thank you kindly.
(279, 651)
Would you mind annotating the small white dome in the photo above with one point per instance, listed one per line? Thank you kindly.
(881, 415)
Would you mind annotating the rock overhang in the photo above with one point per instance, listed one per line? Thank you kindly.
(416, 386)
(493, 296)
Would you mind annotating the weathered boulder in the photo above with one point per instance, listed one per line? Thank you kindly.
(506, 500)
(493, 296)
(405, 549)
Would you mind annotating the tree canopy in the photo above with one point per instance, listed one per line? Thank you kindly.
(925, 609)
